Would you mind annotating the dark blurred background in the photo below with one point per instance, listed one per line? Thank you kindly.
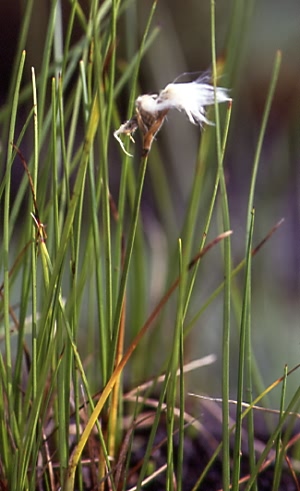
(248, 37)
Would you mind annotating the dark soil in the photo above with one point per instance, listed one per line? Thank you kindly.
(199, 447)
(196, 456)
(198, 450)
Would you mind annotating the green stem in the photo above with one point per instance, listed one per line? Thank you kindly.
(227, 274)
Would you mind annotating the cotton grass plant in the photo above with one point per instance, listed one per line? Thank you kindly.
(70, 258)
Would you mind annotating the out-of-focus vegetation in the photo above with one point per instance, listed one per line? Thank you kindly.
(247, 44)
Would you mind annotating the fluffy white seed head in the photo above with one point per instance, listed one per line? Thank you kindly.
(192, 98)
(147, 103)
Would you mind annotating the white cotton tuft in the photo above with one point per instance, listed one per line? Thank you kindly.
(192, 98)
(151, 109)
(147, 102)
